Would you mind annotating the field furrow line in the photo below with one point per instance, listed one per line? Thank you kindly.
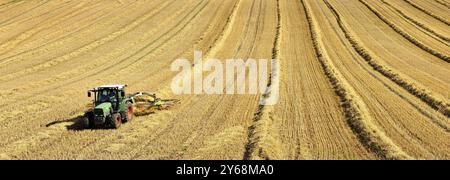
(220, 41)
(418, 91)
(85, 71)
(428, 12)
(91, 70)
(443, 3)
(61, 30)
(189, 19)
(128, 133)
(37, 20)
(218, 111)
(210, 53)
(11, 44)
(171, 33)
(260, 133)
(354, 108)
(421, 25)
(9, 21)
(179, 154)
(169, 124)
(8, 5)
(406, 35)
(82, 50)
(58, 42)
(214, 110)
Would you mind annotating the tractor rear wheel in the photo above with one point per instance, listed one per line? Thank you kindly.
(129, 114)
(116, 120)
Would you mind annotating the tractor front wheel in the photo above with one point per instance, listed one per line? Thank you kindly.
(116, 121)
(87, 121)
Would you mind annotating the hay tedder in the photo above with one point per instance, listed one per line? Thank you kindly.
(111, 106)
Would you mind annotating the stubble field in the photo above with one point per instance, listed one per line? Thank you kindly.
(359, 79)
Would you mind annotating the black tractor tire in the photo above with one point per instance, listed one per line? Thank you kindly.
(116, 120)
(129, 113)
(88, 121)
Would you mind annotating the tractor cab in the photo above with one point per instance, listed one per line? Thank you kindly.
(113, 94)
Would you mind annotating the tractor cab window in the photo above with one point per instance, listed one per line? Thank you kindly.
(107, 95)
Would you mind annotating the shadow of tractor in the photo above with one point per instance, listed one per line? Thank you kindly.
(74, 124)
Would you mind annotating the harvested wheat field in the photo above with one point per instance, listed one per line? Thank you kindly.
(358, 79)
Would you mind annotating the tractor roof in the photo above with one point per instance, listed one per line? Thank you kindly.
(118, 86)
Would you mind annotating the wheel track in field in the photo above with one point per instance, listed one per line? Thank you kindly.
(12, 43)
(51, 89)
(401, 55)
(258, 132)
(226, 31)
(423, 26)
(31, 139)
(3, 7)
(414, 89)
(88, 70)
(55, 61)
(217, 44)
(193, 136)
(48, 90)
(428, 12)
(53, 35)
(113, 34)
(153, 135)
(130, 133)
(53, 9)
(179, 151)
(27, 11)
(406, 35)
(397, 128)
(140, 58)
(6, 3)
(57, 42)
(355, 110)
(443, 3)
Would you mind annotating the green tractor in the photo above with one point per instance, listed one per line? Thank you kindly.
(110, 109)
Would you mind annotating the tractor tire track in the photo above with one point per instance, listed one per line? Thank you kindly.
(190, 145)
(161, 126)
(394, 51)
(423, 26)
(13, 43)
(183, 18)
(93, 69)
(255, 148)
(78, 52)
(428, 12)
(334, 102)
(435, 103)
(50, 35)
(443, 3)
(52, 89)
(407, 36)
(23, 29)
(21, 14)
(385, 101)
(87, 148)
(216, 106)
(210, 52)
(355, 110)
(58, 42)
